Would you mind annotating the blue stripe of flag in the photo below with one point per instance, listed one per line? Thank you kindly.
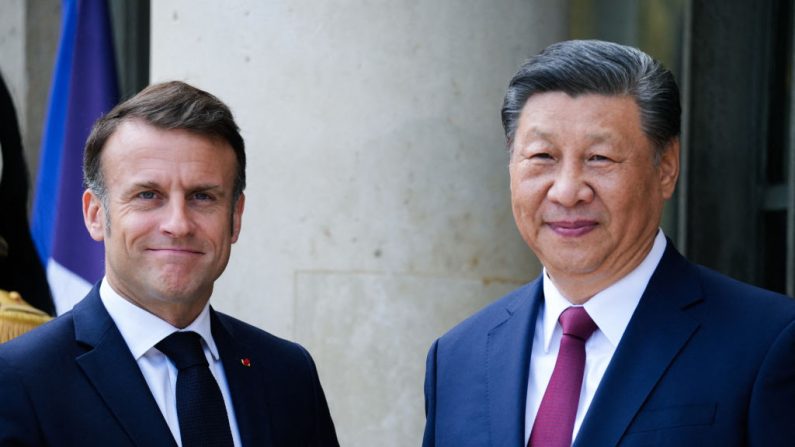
(84, 88)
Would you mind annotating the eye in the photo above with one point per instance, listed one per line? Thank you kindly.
(147, 195)
(540, 157)
(597, 157)
(202, 196)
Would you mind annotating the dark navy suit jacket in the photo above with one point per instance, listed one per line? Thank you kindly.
(74, 382)
(705, 361)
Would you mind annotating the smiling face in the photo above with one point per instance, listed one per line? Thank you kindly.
(170, 219)
(586, 193)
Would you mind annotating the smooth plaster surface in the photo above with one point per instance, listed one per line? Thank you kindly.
(377, 211)
(29, 32)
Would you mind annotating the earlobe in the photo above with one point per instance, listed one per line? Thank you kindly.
(93, 216)
(237, 216)
(669, 168)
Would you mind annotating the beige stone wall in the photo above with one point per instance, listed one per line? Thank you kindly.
(377, 212)
(29, 32)
(12, 51)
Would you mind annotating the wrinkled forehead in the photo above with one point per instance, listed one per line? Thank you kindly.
(137, 150)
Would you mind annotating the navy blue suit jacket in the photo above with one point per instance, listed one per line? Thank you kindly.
(705, 361)
(74, 382)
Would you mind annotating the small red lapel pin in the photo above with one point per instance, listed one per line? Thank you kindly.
(245, 362)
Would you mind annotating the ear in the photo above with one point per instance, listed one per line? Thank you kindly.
(237, 216)
(669, 168)
(93, 215)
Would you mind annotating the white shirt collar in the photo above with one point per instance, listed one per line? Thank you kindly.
(142, 330)
(612, 308)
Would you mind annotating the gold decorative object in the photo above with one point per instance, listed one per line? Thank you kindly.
(17, 316)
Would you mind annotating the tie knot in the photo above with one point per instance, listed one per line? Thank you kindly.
(184, 349)
(577, 323)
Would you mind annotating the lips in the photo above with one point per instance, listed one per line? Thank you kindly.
(175, 251)
(573, 228)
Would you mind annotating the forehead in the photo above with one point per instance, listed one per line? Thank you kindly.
(593, 114)
(137, 145)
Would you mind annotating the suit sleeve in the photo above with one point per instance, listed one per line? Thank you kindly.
(429, 438)
(771, 416)
(18, 421)
(325, 434)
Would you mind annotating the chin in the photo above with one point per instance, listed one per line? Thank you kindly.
(179, 293)
(571, 264)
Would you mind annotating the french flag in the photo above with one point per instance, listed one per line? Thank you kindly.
(84, 88)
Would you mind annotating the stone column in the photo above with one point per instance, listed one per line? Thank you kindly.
(377, 212)
(29, 32)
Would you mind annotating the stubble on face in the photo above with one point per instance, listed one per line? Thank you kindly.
(169, 192)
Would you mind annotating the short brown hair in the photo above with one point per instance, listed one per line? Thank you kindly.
(169, 105)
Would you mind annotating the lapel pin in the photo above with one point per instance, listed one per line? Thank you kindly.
(245, 362)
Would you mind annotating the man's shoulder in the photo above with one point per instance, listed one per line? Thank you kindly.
(743, 299)
(494, 314)
(40, 356)
(682, 282)
(51, 339)
(261, 341)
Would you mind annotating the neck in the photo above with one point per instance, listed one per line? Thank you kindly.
(579, 287)
(177, 311)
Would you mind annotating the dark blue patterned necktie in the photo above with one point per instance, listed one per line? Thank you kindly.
(200, 406)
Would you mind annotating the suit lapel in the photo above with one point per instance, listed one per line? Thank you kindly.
(112, 370)
(660, 327)
(508, 349)
(244, 376)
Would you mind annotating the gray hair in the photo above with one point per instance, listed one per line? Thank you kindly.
(578, 67)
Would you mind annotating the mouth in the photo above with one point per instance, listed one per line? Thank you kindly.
(175, 251)
(574, 228)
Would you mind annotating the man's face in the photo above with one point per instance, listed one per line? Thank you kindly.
(586, 193)
(171, 221)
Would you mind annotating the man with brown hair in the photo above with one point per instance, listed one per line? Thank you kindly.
(144, 360)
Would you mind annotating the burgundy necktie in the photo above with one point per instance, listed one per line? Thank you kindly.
(554, 422)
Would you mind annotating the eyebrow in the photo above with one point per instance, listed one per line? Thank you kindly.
(596, 137)
(207, 187)
(539, 133)
(202, 187)
(601, 136)
(141, 185)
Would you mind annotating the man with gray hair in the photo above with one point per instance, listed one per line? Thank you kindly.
(620, 340)
(143, 360)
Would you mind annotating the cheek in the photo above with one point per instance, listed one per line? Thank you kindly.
(527, 195)
(130, 229)
(215, 228)
(628, 202)
(527, 206)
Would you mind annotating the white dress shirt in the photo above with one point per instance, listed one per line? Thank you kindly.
(611, 310)
(141, 331)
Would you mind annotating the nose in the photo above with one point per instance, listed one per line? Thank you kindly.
(177, 221)
(570, 186)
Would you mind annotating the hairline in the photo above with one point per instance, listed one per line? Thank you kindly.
(659, 148)
(99, 187)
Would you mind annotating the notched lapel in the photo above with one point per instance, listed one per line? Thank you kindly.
(244, 377)
(508, 358)
(660, 328)
(115, 375)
